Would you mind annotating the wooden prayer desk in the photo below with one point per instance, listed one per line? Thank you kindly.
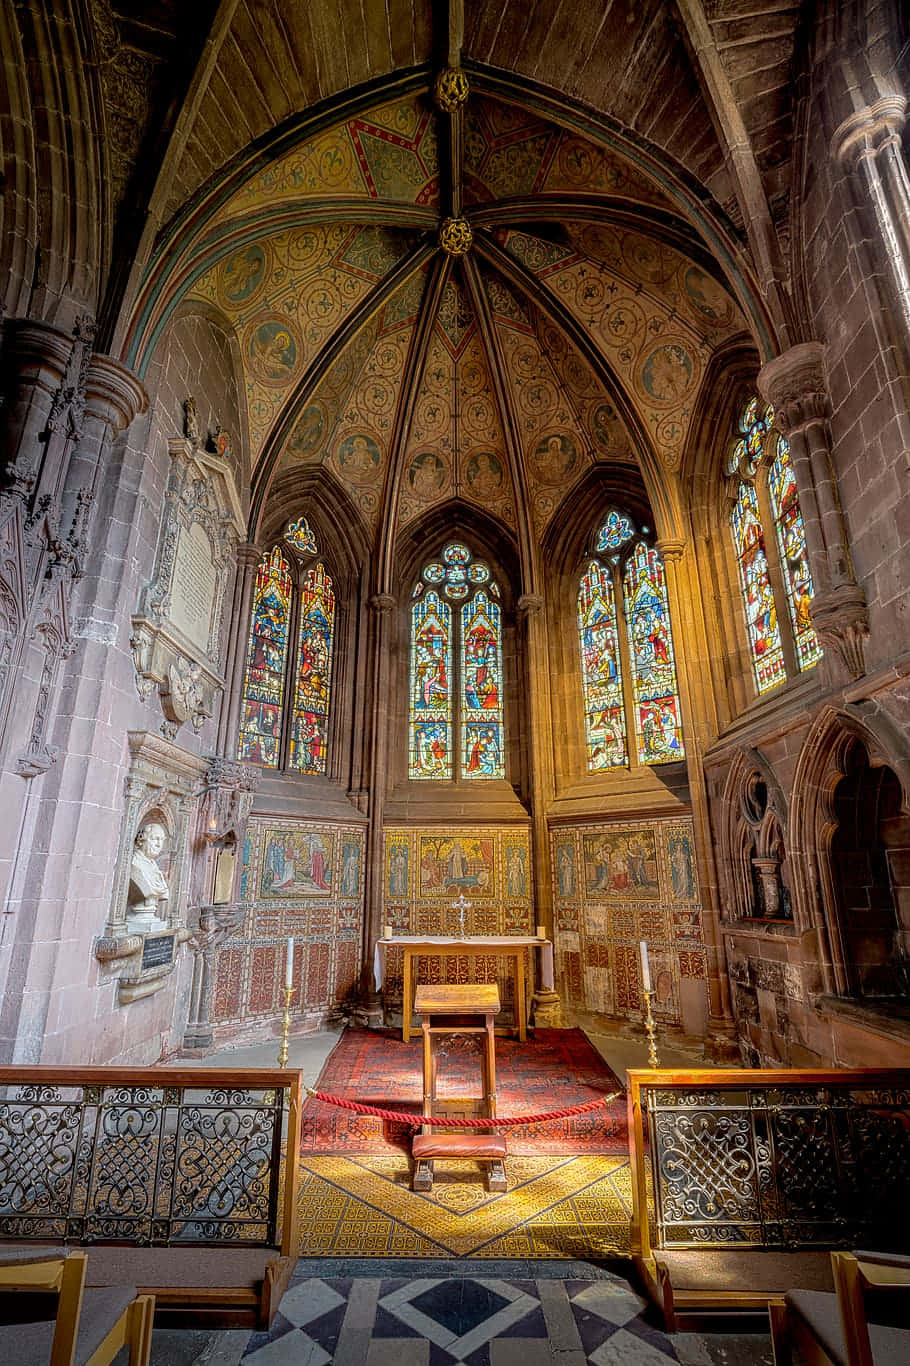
(445, 1011)
(511, 946)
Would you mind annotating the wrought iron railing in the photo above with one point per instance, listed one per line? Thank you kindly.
(149, 1156)
(772, 1159)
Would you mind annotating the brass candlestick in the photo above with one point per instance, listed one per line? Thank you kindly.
(285, 1028)
(650, 1030)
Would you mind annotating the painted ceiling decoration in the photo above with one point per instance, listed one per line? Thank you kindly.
(478, 306)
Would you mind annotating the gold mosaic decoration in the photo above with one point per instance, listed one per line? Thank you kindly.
(451, 89)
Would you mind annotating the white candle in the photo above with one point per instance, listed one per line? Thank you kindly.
(289, 965)
(387, 931)
(541, 931)
(645, 966)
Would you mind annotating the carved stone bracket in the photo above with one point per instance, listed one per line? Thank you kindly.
(162, 786)
(796, 383)
(176, 637)
(841, 621)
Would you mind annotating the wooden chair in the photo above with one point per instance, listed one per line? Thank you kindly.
(89, 1327)
(834, 1330)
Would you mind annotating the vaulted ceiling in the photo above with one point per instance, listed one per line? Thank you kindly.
(622, 168)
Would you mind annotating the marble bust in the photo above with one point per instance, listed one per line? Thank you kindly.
(148, 893)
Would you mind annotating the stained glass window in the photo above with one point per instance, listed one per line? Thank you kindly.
(481, 682)
(654, 688)
(430, 721)
(310, 720)
(615, 532)
(263, 683)
(300, 535)
(758, 596)
(791, 545)
(601, 672)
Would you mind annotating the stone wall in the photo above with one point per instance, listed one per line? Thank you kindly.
(615, 884)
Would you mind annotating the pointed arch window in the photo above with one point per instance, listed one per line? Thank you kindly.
(455, 716)
(286, 700)
(628, 664)
(770, 544)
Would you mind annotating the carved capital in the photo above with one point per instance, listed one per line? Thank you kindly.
(530, 605)
(671, 548)
(248, 555)
(869, 130)
(113, 394)
(796, 383)
(841, 621)
(383, 603)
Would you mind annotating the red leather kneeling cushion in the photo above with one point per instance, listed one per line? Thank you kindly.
(476, 1146)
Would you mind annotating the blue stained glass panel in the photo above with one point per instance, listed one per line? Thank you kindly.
(263, 683)
(654, 687)
(615, 532)
(430, 719)
(301, 537)
(310, 720)
(758, 596)
(791, 543)
(605, 722)
(481, 672)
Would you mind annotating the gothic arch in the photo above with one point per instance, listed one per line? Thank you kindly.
(813, 823)
(753, 832)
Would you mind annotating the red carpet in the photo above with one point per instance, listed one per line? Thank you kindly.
(555, 1069)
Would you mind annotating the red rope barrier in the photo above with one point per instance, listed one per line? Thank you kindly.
(456, 1122)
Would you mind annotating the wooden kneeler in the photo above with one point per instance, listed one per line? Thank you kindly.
(446, 1011)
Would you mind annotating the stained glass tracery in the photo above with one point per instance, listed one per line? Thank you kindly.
(791, 544)
(654, 686)
(481, 673)
(263, 683)
(616, 530)
(300, 535)
(758, 596)
(315, 638)
(605, 724)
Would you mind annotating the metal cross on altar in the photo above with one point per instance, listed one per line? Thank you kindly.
(461, 905)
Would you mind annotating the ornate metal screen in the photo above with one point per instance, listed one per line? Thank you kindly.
(780, 1166)
(140, 1163)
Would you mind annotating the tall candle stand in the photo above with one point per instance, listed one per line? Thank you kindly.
(650, 1029)
(285, 1027)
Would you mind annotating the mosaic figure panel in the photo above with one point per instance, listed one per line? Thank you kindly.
(298, 878)
(614, 885)
(263, 684)
(310, 722)
(791, 543)
(657, 716)
(427, 868)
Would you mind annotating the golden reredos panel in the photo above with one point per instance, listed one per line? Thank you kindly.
(654, 315)
(286, 295)
(348, 423)
(390, 153)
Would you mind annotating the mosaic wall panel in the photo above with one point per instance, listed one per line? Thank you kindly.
(426, 869)
(299, 878)
(614, 885)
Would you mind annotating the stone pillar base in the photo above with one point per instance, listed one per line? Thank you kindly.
(546, 1010)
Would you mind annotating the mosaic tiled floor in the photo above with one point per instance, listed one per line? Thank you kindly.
(460, 1321)
(555, 1207)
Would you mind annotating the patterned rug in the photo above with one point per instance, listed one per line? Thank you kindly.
(568, 1207)
(555, 1069)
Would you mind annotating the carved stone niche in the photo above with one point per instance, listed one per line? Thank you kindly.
(140, 949)
(177, 632)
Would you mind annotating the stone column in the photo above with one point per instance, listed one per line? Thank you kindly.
(696, 706)
(868, 144)
(36, 357)
(249, 556)
(382, 606)
(796, 384)
(545, 1005)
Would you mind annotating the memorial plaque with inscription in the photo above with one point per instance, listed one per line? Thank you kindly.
(194, 585)
(158, 951)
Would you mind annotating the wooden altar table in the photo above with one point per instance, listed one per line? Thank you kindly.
(476, 946)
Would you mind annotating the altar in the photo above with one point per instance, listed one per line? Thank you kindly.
(511, 946)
